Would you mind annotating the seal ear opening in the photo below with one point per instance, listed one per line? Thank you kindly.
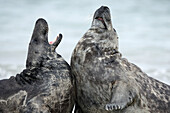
(38, 46)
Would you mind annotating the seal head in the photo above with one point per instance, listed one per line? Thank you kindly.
(102, 19)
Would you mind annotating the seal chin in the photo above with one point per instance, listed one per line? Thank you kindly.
(102, 18)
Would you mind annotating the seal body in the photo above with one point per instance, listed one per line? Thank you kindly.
(108, 83)
(45, 86)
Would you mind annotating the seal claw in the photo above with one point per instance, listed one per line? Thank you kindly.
(111, 107)
(106, 107)
(118, 107)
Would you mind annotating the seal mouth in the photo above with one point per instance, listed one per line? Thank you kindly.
(39, 45)
(102, 20)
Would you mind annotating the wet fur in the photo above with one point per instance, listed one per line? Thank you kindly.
(45, 86)
(108, 83)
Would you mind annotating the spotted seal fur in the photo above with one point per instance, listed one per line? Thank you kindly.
(108, 83)
(45, 86)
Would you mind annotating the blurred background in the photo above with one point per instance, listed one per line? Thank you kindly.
(143, 28)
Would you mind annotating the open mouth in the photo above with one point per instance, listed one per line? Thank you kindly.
(102, 20)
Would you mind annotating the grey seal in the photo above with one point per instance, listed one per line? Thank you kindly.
(106, 82)
(46, 85)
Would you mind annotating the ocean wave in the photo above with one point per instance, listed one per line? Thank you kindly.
(4, 74)
(162, 75)
(9, 70)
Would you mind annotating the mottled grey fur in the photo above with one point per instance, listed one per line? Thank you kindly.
(108, 83)
(45, 86)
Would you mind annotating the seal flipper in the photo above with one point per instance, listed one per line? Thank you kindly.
(38, 46)
(123, 95)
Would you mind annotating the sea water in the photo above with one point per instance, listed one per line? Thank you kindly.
(143, 28)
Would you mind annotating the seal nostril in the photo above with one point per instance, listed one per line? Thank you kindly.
(104, 7)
